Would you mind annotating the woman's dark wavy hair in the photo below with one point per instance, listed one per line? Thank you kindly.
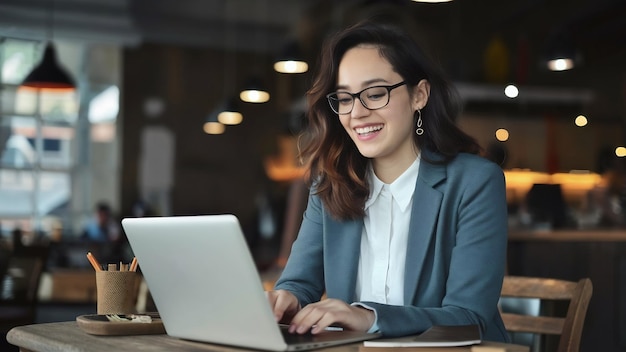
(335, 165)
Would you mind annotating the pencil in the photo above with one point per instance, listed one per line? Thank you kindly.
(133, 264)
(93, 261)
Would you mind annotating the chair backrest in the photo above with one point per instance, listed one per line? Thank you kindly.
(26, 282)
(569, 327)
(5, 256)
(20, 306)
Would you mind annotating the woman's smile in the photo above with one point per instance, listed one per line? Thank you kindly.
(369, 131)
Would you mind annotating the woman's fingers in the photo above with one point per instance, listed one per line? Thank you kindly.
(308, 317)
(283, 303)
(318, 316)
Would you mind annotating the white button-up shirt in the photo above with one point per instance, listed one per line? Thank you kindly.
(384, 239)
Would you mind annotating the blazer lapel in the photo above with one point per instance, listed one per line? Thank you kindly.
(424, 213)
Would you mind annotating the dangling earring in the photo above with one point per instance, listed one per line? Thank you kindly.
(419, 131)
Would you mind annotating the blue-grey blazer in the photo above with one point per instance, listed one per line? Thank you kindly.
(456, 252)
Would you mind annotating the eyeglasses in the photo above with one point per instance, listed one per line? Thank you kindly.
(372, 98)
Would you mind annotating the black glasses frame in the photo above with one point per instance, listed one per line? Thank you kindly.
(333, 96)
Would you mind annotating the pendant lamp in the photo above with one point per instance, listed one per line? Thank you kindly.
(254, 92)
(48, 74)
(291, 60)
(561, 53)
(228, 114)
(225, 114)
(213, 126)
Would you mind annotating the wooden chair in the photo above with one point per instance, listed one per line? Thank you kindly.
(20, 309)
(569, 327)
(5, 256)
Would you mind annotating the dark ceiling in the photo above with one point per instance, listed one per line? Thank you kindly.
(459, 34)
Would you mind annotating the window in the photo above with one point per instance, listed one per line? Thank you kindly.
(36, 135)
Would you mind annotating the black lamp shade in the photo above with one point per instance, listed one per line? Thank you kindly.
(212, 125)
(48, 74)
(228, 113)
(561, 53)
(291, 60)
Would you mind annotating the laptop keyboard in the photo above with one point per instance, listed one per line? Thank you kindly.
(291, 339)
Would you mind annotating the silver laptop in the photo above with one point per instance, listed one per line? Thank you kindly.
(206, 286)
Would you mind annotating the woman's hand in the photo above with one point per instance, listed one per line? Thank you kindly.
(318, 316)
(284, 304)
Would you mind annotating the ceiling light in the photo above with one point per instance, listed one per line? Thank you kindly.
(228, 114)
(502, 134)
(254, 92)
(580, 121)
(291, 66)
(225, 114)
(212, 126)
(291, 60)
(561, 53)
(432, 1)
(560, 64)
(230, 117)
(511, 91)
(48, 74)
(254, 96)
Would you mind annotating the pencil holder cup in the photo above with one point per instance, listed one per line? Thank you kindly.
(117, 292)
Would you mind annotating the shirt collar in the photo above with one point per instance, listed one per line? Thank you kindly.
(376, 185)
(401, 189)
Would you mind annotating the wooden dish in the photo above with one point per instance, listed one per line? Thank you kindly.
(100, 325)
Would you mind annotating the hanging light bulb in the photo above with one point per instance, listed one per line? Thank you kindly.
(230, 117)
(254, 92)
(291, 66)
(560, 64)
(228, 114)
(291, 60)
(561, 53)
(225, 114)
(212, 126)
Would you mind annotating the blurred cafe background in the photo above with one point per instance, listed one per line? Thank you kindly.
(147, 117)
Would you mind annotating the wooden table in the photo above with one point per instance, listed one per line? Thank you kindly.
(66, 336)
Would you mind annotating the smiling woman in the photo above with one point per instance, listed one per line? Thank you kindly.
(399, 202)
(380, 128)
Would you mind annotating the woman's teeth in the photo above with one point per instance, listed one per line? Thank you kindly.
(368, 129)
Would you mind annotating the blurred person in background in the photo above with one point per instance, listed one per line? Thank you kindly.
(102, 227)
(605, 201)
